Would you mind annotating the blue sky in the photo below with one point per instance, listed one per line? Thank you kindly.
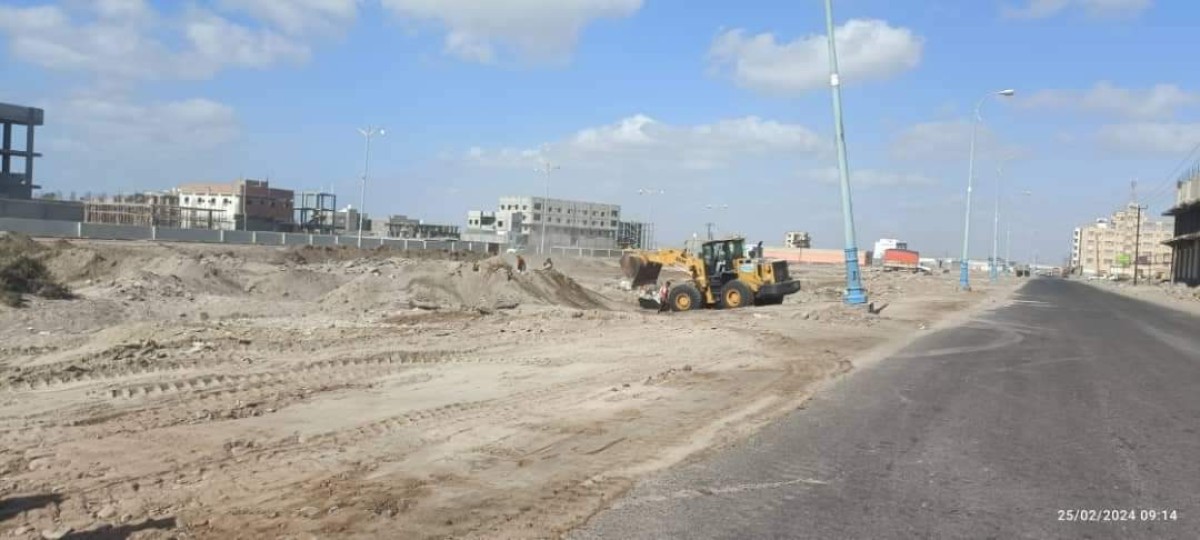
(716, 103)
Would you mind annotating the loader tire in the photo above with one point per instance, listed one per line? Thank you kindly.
(736, 294)
(685, 297)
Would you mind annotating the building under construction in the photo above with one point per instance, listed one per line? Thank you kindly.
(315, 211)
(150, 210)
(13, 184)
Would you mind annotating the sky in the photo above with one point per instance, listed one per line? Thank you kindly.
(721, 109)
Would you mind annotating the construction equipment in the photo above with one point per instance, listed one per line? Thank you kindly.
(721, 275)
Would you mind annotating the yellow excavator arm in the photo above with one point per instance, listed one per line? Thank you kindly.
(642, 267)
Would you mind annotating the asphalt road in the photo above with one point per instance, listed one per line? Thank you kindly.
(1069, 399)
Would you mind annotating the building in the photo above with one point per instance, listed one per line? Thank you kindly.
(1185, 238)
(633, 235)
(147, 210)
(346, 221)
(251, 205)
(797, 240)
(13, 184)
(811, 255)
(518, 222)
(406, 227)
(884, 244)
(315, 211)
(1107, 247)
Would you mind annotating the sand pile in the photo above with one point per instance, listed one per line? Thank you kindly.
(494, 284)
(22, 272)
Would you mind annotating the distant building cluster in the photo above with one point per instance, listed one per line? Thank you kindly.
(1185, 237)
(1108, 247)
(521, 222)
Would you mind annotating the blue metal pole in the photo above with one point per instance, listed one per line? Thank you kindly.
(855, 294)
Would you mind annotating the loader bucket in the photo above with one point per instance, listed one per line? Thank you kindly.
(640, 271)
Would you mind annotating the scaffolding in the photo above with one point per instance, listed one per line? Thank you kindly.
(315, 211)
(152, 214)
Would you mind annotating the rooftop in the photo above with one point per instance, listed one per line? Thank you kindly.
(19, 114)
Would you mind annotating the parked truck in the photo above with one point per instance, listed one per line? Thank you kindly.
(901, 259)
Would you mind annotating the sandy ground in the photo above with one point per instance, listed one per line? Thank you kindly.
(245, 392)
(1175, 296)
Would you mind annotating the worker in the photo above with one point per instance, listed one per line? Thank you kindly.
(548, 265)
(520, 264)
(664, 293)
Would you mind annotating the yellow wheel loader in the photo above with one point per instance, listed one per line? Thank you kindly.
(721, 276)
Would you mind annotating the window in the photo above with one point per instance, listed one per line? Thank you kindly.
(185, 200)
(537, 206)
(499, 223)
(524, 207)
(614, 222)
(212, 200)
(537, 217)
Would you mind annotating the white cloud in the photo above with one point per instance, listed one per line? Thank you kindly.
(297, 17)
(641, 140)
(120, 39)
(867, 50)
(949, 141)
(1150, 137)
(868, 178)
(539, 30)
(1158, 101)
(1038, 9)
(102, 122)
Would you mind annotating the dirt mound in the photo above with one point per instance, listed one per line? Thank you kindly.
(22, 272)
(301, 255)
(494, 284)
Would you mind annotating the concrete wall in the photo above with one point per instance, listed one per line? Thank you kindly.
(103, 231)
(812, 255)
(43, 228)
(187, 235)
(39, 209)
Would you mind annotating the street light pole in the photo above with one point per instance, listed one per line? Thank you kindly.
(994, 269)
(964, 279)
(714, 209)
(546, 168)
(368, 133)
(854, 295)
(651, 237)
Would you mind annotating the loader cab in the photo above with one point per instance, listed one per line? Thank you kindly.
(720, 257)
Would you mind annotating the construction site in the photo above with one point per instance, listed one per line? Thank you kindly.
(206, 391)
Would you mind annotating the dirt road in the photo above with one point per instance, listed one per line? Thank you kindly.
(216, 392)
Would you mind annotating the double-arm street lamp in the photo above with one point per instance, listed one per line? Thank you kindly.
(964, 278)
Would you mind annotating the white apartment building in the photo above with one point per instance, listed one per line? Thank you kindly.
(519, 222)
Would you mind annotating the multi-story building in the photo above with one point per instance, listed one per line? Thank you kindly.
(1108, 247)
(520, 221)
(1185, 239)
(797, 240)
(246, 204)
(633, 235)
(406, 227)
(14, 184)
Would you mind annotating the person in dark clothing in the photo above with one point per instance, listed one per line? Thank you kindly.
(520, 264)
(664, 294)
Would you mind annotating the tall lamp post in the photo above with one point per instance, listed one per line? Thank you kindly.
(854, 295)
(714, 208)
(964, 279)
(368, 133)
(994, 268)
(652, 192)
(546, 168)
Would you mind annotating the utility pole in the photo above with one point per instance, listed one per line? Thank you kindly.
(710, 230)
(1137, 244)
(368, 133)
(854, 295)
(546, 168)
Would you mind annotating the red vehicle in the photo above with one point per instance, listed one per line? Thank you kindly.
(901, 259)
